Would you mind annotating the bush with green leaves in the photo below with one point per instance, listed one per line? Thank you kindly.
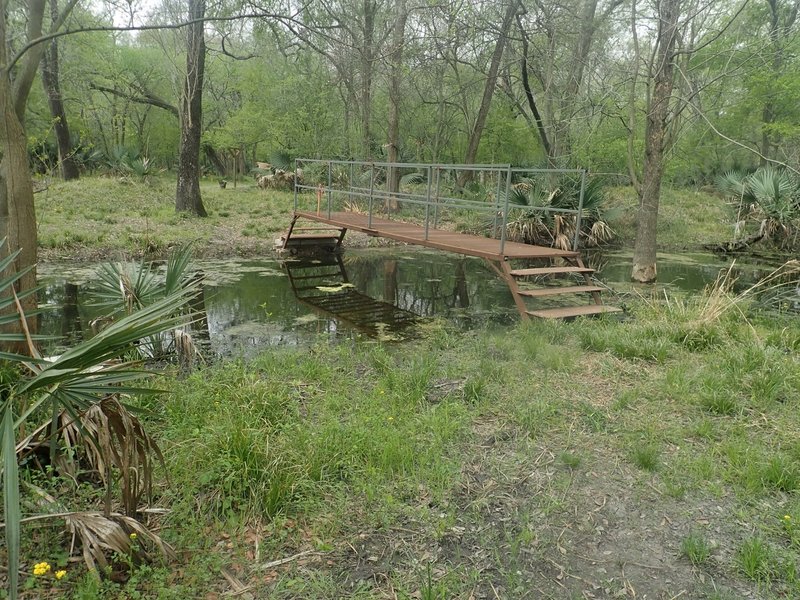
(536, 205)
(769, 198)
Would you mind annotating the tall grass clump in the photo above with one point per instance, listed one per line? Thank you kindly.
(701, 323)
(258, 438)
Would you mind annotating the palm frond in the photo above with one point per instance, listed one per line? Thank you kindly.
(11, 499)
(733, 184)
(413, 178)
(100, 534)
(178, 269)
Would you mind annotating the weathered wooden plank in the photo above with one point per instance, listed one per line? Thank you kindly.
(566, 312)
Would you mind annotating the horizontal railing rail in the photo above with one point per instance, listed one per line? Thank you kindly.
(433, 201)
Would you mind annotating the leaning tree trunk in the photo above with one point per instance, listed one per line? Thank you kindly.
(17, 213)
(644, 252)
(488, 92)
(187, 196)
(52, 88)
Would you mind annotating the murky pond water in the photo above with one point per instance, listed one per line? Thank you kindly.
(256, 303)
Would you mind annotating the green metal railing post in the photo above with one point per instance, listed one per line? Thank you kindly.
(579, 216)
(428, 202)
(350, 187)
(436, 205)
(330, 189)
(371, 190)
(296, 162)
(505, 211)
(496, 205)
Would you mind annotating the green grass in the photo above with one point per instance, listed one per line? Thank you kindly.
(461, 463)
(96, 215)
(687, 218)
(696, 548)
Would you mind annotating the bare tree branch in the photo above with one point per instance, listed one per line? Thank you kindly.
(146, 98)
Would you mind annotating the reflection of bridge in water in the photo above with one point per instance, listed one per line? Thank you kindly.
(321, 282)
(532, 276)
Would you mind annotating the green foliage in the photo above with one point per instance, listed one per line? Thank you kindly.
(754, 558)
(770, 197)
(72, 383)
(539, 221)
(696, 548)
(645, 456)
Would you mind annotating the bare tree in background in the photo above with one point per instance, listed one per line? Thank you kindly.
(52, 88)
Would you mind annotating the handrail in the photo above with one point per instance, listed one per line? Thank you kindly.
(432, 196)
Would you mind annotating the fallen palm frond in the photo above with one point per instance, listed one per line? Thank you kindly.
(110, 439)
(114, 533)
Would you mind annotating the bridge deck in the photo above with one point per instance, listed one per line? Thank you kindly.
(460, 243)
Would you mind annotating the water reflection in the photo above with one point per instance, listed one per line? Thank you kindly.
(247, 305)
(324, 286)
(250, 304)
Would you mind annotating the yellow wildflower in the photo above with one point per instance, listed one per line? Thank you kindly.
(133, 536)
(61, 574)
(787, 517)
(42, 568)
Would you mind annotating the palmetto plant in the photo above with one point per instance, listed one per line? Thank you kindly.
(769, 196)
(124, 288)
(77, 398)
(535, 223)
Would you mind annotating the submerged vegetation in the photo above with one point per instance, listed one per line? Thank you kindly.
(469, 464)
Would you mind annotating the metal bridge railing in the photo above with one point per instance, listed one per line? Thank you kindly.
(432, 200)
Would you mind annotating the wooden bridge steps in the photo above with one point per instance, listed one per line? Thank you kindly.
(556, 290)
(549, 271)
(499, 255)
(565, 312)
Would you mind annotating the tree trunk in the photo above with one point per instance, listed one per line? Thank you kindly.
(526, 85)
(17, 214)
(777, 35)
(52, 88)
(630, 162)
(367, 58)
(187, 196)
(644, 253)
(395, 76)
(562, 134)
(488, 92)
